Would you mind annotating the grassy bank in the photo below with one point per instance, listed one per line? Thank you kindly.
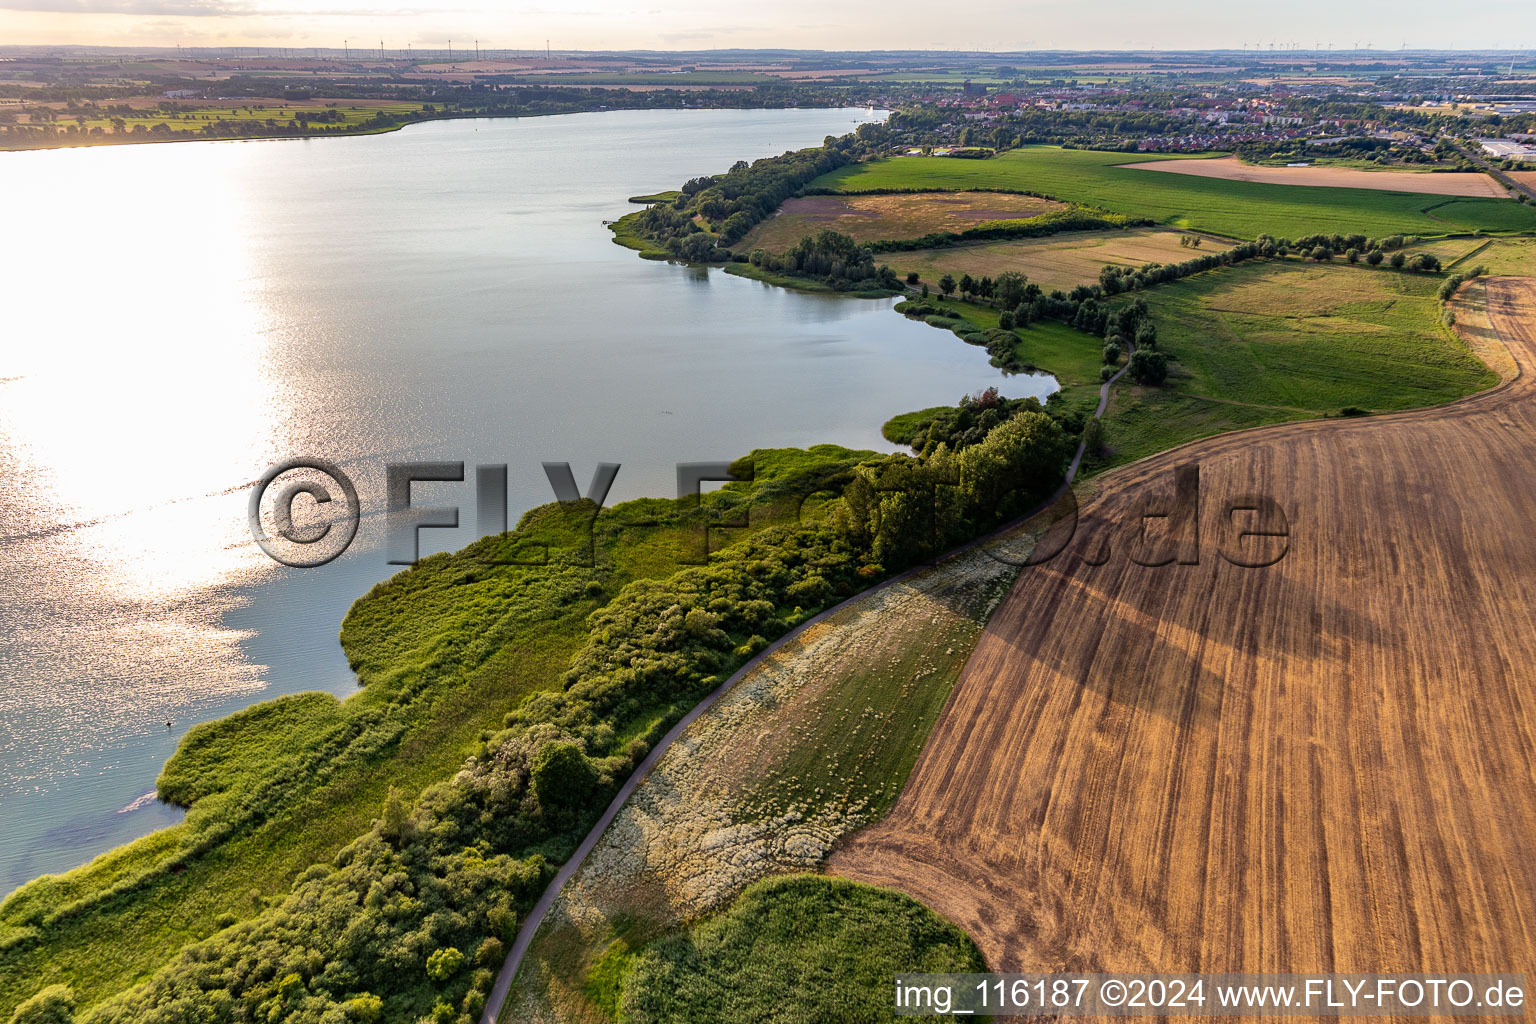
(1275, 341)
(809, 746)
(443, 652)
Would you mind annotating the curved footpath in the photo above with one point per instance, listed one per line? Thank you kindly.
(1325, 764)
(535, 917)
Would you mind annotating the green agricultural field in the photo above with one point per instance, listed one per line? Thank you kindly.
(1238, 209)
(1513, 256)
(1273, 341)
(802, 948)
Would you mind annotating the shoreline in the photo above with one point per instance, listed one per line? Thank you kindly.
(104, 141)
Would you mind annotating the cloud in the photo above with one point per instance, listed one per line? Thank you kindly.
(160, 8)
(210, 9)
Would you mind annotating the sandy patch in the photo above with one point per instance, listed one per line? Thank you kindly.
(1233, 169)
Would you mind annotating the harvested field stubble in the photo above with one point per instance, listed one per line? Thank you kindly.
(1230, 168)
(888, 218)
(1323, 765)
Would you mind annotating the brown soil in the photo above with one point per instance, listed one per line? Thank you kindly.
(884, 218)
(1326, 764)
(1233, 169)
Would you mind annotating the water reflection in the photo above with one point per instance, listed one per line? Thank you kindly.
(190, 314)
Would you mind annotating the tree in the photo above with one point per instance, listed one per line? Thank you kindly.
(1093, 437)
(396, 823)
(444, 963)
(1321, 253)
(1148, 367)
(562, 776)
(912, 277)
(1009, 286)
(736, 225)
(967, 285)
(1111, 353)
(1398, 259)
(947, 285)
(1374, 257)
(1018, 462)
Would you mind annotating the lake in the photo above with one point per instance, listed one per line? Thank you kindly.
(180, 317)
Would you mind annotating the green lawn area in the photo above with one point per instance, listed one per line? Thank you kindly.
(1272, 341)
(1238, 209)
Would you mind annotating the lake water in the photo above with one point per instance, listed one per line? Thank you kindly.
(179, 317)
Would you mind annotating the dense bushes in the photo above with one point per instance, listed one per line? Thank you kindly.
(385, 929)
(832, 257)
(803, 948)
(1148, 367)
(1449, 285)
(53, 1005)
(968, 423)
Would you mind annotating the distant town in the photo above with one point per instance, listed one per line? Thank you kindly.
(1431, 111)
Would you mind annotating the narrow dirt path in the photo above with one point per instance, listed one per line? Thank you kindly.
(536, 916)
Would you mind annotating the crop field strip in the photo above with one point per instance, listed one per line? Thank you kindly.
(1055, 261)
(1324, 764)
(1230, 168)
(1239, 209)
(881, 218)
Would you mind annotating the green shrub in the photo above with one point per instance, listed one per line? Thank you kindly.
(491, 953)
(444, 963)
(53, 1005)
(562, 776)
(802, 948)
(1148, 367)
(365, 1009)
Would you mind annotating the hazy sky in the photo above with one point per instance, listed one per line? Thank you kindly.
(809, 24)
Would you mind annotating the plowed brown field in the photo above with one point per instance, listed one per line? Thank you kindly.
(1328, 764)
